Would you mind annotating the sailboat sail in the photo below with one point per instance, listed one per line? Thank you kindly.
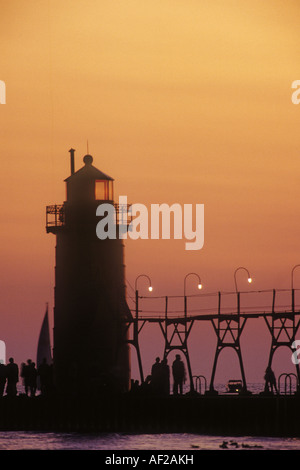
(44, 347)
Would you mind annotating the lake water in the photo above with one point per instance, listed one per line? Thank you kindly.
(192, 442)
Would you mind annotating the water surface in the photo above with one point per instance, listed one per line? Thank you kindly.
(114, 441)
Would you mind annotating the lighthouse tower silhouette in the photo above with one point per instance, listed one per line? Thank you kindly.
(90, 352)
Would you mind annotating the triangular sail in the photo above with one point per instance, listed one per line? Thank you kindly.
(44, 346)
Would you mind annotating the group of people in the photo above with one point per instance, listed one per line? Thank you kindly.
(159, 380)
(160, 377)
(9, 378)
(29, 375)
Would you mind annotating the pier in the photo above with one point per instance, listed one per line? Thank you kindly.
(227, 312)
(201, 410)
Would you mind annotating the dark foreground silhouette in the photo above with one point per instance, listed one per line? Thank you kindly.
(147, 408)
(32, 378)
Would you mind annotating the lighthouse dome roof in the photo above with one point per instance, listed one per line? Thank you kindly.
(88, 171)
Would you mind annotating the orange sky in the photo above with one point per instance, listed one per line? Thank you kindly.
(186, 102)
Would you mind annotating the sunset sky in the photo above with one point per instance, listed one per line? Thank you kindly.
(180, 102)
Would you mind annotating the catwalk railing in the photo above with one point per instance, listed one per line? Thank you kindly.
(227, 312)
(56, 216)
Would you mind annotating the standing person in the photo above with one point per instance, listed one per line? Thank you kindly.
(12, 374)
(32, 379)
(2, 378)
(178, 370)
(156, 376)
(270, 379)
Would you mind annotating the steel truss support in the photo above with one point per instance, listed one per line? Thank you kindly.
(228, 329)
(177, 338)
(283, 328)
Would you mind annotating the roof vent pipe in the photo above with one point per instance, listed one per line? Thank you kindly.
(72, 151)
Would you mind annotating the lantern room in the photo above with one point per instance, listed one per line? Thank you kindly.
(104, 190)
(88, 184)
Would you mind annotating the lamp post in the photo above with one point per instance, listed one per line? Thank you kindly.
(136, 328)
(236, 289)
(199, 282)
(248, 274)
(150, 289)
(199, 285)
(292, 286)
(184, 289)
(292, 275)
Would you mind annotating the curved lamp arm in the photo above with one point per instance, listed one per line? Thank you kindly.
(292, 275)
(150, 288)
(199, 281)
(248, 274)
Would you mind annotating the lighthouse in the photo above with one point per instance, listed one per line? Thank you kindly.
(90, 350)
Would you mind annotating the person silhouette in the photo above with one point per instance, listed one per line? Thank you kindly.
(12, 374)
(270, 380)
(32, 379)
(2, 378)
(178, 370)
(156, 375)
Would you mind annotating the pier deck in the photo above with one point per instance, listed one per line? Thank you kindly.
(130, 413)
